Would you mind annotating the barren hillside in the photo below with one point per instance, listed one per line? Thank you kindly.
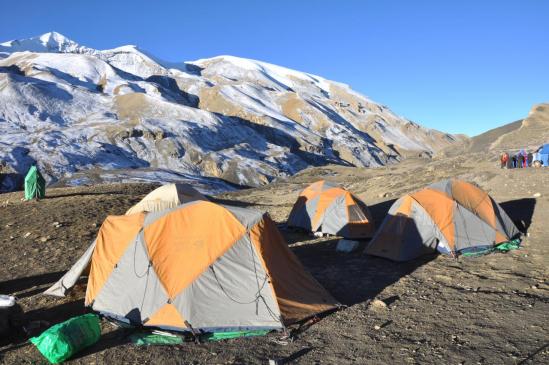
(530, 133)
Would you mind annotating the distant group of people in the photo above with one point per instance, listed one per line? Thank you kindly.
(522, 159)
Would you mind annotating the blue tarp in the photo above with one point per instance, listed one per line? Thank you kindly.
(544, 154)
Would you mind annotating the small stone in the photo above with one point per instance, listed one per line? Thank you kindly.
(11, 237)
(377, 304)
(534, 286)
(377, 328)
(44, 239)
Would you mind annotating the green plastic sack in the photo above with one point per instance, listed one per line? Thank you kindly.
(60, 342)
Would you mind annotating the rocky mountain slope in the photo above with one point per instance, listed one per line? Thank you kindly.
(87, 115)
(530, 133)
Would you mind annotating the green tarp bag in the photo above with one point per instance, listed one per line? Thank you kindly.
(35, 185)
(150, 339)
(502, 247)
(60, 342)
(219, 336)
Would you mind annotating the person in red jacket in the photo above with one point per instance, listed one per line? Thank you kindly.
(504, 159)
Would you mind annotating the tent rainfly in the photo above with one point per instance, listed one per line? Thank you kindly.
(166, 197)
(328, 208)
(543, 155)
(198, 267)
(451, 216)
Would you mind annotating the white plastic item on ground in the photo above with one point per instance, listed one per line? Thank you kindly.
(318, 234)
(6, 301)
(344, 245)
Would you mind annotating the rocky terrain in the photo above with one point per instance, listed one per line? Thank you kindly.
(528, 133)
(75, 111)
(435, 310)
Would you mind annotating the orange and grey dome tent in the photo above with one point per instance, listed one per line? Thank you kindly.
(166, 197)
(198, 267)
(451, 216)
(328, 208)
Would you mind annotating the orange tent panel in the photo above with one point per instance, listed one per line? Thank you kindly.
(441, 209)
(326, 199)
(183, 243)
(475, 200)
(122, 230)
(167, 316)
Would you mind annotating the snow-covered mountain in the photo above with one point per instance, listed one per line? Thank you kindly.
(83, 114)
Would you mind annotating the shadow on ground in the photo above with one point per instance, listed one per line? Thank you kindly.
(353, 278)
(38, 320)
(520, 211)
(29, 282)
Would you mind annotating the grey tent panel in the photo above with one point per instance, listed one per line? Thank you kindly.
(421, 234)
(234, 293)
(470, 230)
(133, 289)
(248, 217)
(310, 208)
(335, 217)
(328, 185)
(444, 186)
(302, 217)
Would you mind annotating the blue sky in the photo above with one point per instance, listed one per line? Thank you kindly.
(460, 66)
